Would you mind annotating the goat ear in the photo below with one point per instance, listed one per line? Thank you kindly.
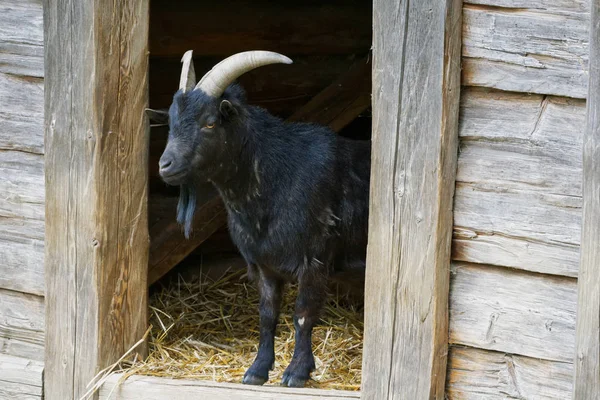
(227, 109)
(159, 117)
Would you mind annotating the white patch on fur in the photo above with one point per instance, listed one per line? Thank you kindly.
(301, 321)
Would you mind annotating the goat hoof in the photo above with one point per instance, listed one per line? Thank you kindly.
(251, 379)
(293, 381)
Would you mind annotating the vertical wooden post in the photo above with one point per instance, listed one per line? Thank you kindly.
(96, 139)
(587, 362)
(416, 85)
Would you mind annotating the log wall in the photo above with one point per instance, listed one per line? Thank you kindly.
(21, 199)
(517, 209)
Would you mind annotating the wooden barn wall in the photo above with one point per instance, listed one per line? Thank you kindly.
(517, 211)
(21, 199)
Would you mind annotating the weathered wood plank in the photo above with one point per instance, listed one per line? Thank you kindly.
(475, 374)
(21, 38)
(22, 255)
(22, 113)
(96, 192)
(519, 174)
(522, 215)
(22, 185)
(415, 136)
(292, 28)
(514, 312)
(526, 50)
(587, 361)
(21, 325)
(20, 378)
(152, 388)
(554, 6)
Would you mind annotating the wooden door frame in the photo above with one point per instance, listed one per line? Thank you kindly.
(587, 357)
(96, 167)
(96, 191)
(416, 95)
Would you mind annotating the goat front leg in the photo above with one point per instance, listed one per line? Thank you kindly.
(269, 287)
(312, 290)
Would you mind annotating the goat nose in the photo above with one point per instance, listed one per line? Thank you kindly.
(165, 163)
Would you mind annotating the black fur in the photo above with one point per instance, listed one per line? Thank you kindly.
(297, 201)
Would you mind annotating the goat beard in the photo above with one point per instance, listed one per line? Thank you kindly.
(186, 207)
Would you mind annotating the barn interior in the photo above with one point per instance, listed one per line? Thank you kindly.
(329, 82)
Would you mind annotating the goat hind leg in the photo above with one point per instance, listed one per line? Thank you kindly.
(311, 295)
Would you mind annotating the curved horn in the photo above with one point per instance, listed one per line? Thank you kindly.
(215, 81)
(188, 76)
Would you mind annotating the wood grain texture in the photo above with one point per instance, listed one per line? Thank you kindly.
(554, 6)
(514, 312)
(153, 388)
(20, 378)
(22, 113)
(21, 325)
(533, 46)
(21, 148)
(96, 187)
(22, 255)
(518, 194)
(22, 221)
(416, 85)
(587, 361)
(289, 27)
(21, 39)
(475, 374)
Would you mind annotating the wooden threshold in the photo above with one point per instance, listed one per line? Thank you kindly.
(153, 388)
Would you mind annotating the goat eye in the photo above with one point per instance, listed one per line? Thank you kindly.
(210, 126)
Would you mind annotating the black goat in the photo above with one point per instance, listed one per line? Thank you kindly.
(296, 195)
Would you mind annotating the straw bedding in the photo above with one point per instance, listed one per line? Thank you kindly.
(205, 328)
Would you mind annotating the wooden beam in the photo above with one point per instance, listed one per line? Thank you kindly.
(336, 106)
(587, 361)
(342, 101)
(289, 27)
(154, 388)
(416, 85)
(96, 137)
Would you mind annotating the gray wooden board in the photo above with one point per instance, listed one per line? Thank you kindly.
(512, 311)
(21, 38)
(533, 47)
(518, 194)
(96, 137)
(416, 88)
(554, 6)
(22, 113)
(153, 388)
(587, 371)
(475, 374)
(22, 255)
(21, 325)
(22, 185)
(22, 221)
(20, 378)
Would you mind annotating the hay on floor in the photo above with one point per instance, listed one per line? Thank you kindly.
(208, 329)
